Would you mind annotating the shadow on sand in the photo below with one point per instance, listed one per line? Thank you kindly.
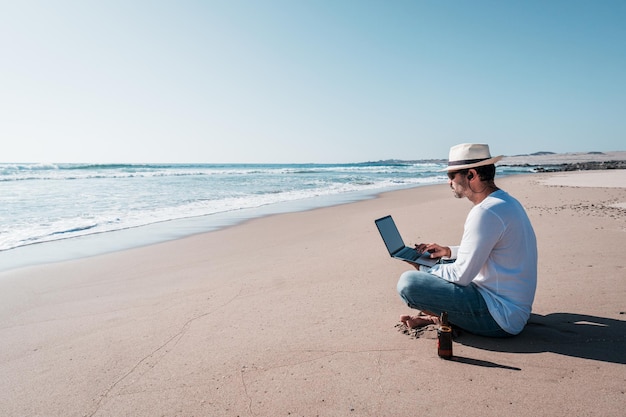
(570, 334)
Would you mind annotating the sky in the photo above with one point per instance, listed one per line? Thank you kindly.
(323, 81)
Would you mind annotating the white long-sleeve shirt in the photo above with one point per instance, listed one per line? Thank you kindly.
(498, 253)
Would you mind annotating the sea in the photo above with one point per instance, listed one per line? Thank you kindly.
(97, 208)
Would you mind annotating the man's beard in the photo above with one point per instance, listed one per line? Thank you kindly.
(456, 193)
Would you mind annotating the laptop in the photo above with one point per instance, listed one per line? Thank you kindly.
(396, 247)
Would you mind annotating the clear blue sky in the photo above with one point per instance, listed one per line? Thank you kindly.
(308, 81)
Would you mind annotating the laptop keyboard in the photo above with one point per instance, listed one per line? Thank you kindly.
(409, 253)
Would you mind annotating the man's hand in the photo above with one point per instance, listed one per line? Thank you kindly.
(435, 250)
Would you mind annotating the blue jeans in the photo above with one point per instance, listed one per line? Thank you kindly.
(465, 306)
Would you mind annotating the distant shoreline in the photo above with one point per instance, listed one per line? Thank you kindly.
(546, 161)
(579, 166)
(553, 162)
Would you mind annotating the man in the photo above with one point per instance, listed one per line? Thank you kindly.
(487, 284)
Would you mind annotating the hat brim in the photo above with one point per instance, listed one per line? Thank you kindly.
(474, 165)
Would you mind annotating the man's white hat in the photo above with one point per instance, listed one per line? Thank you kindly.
(470, 155)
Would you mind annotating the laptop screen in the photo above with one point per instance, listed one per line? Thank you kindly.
(389, 233)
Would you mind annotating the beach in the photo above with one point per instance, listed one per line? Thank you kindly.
(295, 314)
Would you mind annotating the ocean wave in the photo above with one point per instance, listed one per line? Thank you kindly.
(10, 174)
(95, 198)
(74, 230)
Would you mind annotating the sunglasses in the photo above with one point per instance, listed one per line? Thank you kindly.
(452, 174)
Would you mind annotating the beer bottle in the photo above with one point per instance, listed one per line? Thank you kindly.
(444, 337)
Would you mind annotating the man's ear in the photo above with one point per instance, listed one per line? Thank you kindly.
(471, 174)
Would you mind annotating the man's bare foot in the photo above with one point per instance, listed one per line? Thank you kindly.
(420, 320)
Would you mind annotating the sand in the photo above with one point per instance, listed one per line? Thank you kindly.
(304, 323)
